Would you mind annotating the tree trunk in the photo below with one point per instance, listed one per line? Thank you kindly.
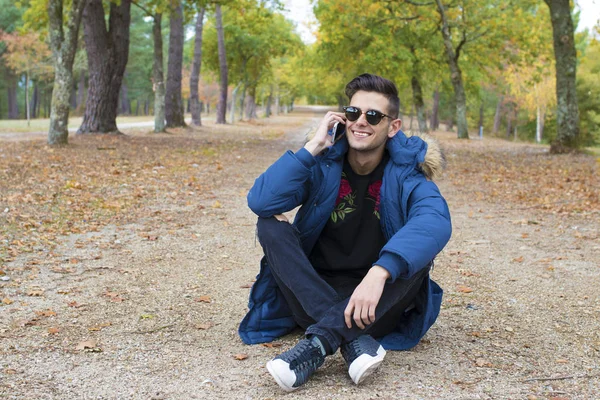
(538, 126)
(268, 111)
(158, 76)
(81, 92)
(27, 98)
(242, 102)
(251, 104)
(13, 106)
(233, 98)
(196, 68)
(63, 43)
(455, 75)
(125, 106)
(107, 51)
(509, 117)
(73, 96)
(419, 104)
(498, 115)
(481, 110)
(35, 99)
(222, 104)
(417, 91)
(173, 101)
(567, 111)
(435, 121)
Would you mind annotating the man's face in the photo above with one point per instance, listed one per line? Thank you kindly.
(364, 137)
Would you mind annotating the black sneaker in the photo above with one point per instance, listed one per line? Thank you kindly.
(293, 367)
(363, 356)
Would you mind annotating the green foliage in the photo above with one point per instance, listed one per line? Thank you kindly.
(255, 37)
(138, 75)
(588, 94)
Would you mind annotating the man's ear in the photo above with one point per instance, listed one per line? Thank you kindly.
(395, 126)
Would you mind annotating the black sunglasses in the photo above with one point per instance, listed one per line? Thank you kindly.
(373, 116)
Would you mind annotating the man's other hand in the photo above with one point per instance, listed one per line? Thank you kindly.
(364, 299)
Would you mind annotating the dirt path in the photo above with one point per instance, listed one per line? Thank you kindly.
(158, 301)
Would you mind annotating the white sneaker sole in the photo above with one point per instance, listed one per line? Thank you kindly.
(365, 365)
(280, 371)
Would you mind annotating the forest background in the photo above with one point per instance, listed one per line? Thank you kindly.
(503, 55)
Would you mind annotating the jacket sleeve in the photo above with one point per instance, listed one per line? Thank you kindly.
(283, 186)
(425, 233)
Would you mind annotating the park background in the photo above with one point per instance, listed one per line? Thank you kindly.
(127, 251)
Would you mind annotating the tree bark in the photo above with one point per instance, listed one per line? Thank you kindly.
(107, 51)
(418, 92)
(81, 91)
(173, 101)
(35, 99)
(233, 99)
(498, 115)
(435, 119)
(269, 102)
(63, 43)
(452, 56)
(222, 104)
(13, 106)
(196, 68)
(158, 76)
(125, 105)
(251, 104)
(567, 110)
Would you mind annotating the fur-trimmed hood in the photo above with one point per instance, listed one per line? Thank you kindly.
(434, 160)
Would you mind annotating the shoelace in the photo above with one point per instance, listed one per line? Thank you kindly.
(352, 349)
(306, 358)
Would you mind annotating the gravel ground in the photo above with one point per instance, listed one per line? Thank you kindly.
(155, 316)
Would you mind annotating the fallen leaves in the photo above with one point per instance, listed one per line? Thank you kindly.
(88, 345)
(7, 301)
(271, 345)
(113, 296)
(97, 328)
(46, 313)
(240, 356)
(203, 299)
(204, 326)
(483, 363)
(36, 292)
(53, 330)
(464, 289)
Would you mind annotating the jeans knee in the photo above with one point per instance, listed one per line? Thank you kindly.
(270, 230)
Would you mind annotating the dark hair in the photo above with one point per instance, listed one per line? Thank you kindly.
(374, 83)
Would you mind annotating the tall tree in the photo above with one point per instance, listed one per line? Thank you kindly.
(154, 9)
(452, 55)
(158, 75)
(63, 42)
(196, 67)
(107, 53)
(567, 113)
(222, 104)
(26, 54)
(174, 103)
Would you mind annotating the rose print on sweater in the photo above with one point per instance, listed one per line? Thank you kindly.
(373, 194)
(344, 203)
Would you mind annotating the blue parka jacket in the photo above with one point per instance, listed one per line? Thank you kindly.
(414, 218)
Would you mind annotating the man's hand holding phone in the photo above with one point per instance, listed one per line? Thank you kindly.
(322, 139)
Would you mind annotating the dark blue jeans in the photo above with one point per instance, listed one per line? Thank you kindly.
(318, 302)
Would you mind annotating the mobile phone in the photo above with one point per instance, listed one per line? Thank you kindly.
(338, 131)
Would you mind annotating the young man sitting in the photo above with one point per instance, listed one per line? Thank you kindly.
(355, 263)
